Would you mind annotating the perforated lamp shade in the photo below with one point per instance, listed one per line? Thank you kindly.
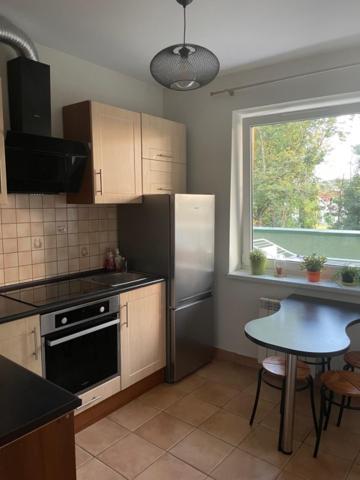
(184, 67)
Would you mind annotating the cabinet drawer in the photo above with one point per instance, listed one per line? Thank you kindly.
(98, 394)
(163, 177)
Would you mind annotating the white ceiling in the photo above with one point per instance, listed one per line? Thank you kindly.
(125, 34)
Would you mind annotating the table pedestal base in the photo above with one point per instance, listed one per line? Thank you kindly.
(289, 405)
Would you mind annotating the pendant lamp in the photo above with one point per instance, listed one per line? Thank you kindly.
(184, 66)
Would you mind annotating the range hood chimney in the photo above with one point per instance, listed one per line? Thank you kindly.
(35, 161)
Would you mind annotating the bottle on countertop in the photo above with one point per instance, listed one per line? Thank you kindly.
(109, 264)
(120, 262)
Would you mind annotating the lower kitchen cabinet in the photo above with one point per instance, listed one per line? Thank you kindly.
(20, 342)
(143, 314)
(98, 394)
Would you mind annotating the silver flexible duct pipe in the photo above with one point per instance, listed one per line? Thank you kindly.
(16, 38)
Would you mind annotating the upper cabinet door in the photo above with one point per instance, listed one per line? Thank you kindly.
(113, 174)
(163, 139)
(3, 189)
(116, 144)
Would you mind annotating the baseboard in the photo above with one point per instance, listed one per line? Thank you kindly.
(102, 409)
(221, 354)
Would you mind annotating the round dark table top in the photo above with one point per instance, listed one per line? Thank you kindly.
(307, 326)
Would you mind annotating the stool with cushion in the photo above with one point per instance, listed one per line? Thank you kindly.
(345, 385)
(274, 368)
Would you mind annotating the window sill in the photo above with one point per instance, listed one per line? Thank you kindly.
(296, 281)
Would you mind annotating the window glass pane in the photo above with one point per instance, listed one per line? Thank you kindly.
(306, 188)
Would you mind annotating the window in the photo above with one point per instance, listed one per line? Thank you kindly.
(300, 184)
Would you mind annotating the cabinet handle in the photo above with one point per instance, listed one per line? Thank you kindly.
(99, 172)
(94, 399)
(165, 189)
(36, 350)
(163, 155)
(126, 306)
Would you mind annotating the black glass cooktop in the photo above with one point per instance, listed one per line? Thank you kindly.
(56, 292)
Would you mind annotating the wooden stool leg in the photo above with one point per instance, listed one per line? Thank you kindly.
(321, 421)
(257, 396)
(341, 411)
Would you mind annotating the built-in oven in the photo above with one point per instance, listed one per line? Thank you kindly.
(80, 345)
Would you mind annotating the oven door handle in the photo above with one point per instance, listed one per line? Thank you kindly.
(53, 343)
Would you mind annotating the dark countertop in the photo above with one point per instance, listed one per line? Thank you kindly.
(28, 401)
(13, 309)
(308, 326)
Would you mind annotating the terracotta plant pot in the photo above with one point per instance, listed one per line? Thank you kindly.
(313, 276)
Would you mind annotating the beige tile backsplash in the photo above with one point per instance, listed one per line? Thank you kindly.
(41, 236)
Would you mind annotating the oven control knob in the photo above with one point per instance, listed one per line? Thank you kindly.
(102, 309)
(64, 321)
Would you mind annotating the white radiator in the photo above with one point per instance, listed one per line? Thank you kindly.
(268, 306)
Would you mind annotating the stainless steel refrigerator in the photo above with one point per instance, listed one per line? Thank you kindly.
(173, 236)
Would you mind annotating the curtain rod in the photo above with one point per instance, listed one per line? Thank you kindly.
(231, 91)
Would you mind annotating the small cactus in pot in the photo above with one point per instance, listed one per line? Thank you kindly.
(258, 262)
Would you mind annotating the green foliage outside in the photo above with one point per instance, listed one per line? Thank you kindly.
(286, 191)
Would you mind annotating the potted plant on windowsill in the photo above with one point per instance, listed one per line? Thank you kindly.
(313, 264)
(349, 275)
(258, 262)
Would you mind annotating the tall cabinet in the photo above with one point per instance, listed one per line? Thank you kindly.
(114, 174)
(164, 155)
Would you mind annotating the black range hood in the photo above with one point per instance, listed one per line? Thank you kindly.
(35, 161)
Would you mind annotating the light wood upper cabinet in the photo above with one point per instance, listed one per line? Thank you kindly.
(163, 139)
(142, 333)
(115, 171)
(20, 342)
(164, 155)
(3, 189)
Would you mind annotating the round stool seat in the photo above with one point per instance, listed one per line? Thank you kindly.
(353, 359)
(342, 382)
(276, 366)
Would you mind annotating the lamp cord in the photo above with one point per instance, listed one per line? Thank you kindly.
(184, 25)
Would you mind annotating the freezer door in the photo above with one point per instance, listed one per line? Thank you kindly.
(193, 246)
(192, 338)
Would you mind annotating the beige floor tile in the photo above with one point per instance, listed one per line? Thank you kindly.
(81, 456)
(95, 470)
(191, 383)
(100, 436)
(303, 424)
(263, 443)
(228, 427)
(324, 467)
(337, 441)
(215, 393)
(201, 450)
(240, 465)
(162, 396)
(229, 373)
(164, 430)
(288, 476)
(133, 415)
(170, 468)
(192, 410)
(354, 473)
(266, 392)
(243, 404)
(131, 456)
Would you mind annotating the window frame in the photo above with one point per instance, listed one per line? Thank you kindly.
(241, 225)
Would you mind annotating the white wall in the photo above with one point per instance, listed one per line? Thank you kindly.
(74, 80)
(209, 122)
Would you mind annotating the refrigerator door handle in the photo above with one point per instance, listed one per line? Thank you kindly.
(187, 305)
